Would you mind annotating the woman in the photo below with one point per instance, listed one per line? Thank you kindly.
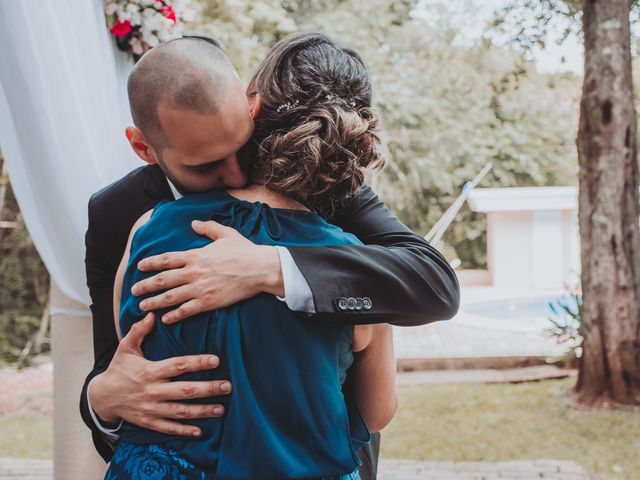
(287, 416)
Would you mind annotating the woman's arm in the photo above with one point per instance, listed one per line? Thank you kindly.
(117, 286)
(373, 374)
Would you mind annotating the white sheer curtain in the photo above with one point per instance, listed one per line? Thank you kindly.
(63, 110)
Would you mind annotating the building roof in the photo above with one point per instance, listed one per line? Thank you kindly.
(515, 199)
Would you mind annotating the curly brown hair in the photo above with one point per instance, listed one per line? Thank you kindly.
(317, 132)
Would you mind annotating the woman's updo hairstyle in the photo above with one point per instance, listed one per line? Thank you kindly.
(317, 132)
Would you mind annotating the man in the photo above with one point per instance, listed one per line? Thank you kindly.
(191, 124)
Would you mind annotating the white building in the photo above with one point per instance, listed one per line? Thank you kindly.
(532, 240)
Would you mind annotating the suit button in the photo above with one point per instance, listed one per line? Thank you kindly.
(359, 304)
(342, 303)
(352, 303)
(367, 303)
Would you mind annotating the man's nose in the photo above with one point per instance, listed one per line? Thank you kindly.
(234, 176)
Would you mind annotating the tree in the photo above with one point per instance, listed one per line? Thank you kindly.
(609, 204)
(609, 209)
(24, 280)
(449, 106)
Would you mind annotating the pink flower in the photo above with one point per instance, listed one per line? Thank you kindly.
(121, 29)
(169, 13)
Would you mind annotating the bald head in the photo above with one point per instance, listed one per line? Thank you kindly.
(191, 74)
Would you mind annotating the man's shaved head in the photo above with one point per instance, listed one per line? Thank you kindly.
(190, 73)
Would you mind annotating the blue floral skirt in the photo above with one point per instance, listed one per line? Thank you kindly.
(152, 462)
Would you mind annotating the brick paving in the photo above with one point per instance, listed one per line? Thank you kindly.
(27, 390)
(469, 336)
(513, 470)
(21, 469)
(507, 375)
(25, 469)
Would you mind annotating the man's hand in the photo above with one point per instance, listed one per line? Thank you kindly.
(225, 272)
(140, 391)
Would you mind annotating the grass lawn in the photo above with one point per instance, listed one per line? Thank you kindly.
(26, 436)
(475, 422)
(458, 422)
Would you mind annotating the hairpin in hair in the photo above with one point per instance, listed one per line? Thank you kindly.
(351, 102)
(285, 107)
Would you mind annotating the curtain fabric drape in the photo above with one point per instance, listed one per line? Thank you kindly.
(63, 111)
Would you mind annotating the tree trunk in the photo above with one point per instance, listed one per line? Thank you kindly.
(609, 209)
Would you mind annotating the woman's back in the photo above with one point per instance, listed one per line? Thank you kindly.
(286, 416)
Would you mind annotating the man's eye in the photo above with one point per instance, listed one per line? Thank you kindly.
(204, 168)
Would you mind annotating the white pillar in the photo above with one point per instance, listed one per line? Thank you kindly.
(75, 457)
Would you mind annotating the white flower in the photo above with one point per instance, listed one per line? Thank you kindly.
(154, 26)
(152, 40)
(136, 46)
(111, 8)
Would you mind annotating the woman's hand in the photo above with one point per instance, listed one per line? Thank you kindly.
(225, 272)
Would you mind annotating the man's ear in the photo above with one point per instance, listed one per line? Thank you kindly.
(255, 107)
(140, 145)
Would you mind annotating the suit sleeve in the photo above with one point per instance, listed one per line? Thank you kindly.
(100, 280)
(401, 278)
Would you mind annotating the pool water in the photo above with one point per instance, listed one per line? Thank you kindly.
(519, 314)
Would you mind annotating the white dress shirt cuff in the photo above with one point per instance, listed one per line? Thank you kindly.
(111, 434)
(297, 293)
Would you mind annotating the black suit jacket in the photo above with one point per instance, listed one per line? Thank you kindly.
(396, 278)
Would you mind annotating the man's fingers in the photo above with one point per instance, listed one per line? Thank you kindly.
(172, 297)
(211, 229)
(187, 309)
(133, 339)
(187, 411)
(167, 426)
(188, 390)
(161, 281)
(162, 262)
(172, 367)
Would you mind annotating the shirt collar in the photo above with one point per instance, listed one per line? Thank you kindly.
(176, 194)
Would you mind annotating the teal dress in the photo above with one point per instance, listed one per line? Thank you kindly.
(287, 417)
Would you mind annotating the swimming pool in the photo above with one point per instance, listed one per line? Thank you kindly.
(512, 314)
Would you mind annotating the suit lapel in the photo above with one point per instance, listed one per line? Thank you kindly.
(155, 185)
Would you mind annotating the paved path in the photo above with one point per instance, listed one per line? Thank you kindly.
(20, 469)
(464, 337)
(507, 375)
(515, 470)
(23, 469)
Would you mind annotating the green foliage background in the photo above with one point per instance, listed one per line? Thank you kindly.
(449, 107)
(24, 284)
